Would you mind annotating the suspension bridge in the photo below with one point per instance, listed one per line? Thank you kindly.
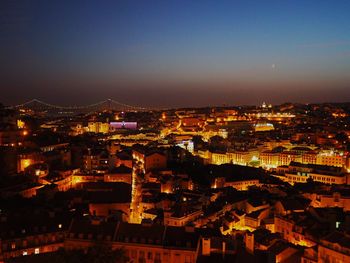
(36, 105)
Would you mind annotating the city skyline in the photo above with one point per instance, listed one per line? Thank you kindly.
(175, 54)
(174, 131)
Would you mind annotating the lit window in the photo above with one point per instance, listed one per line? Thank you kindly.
(36, 251)
(25, 253)
(59, 226)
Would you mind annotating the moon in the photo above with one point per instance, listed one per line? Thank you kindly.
(273, 66)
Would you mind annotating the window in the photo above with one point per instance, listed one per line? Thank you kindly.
(337, 224)
(188, 259)
(142, 257)
(157, 258)
(149, 255)
(36, 251)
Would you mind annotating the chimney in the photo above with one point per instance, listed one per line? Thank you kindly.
(249, 242)
(223, 249)
(206, 246)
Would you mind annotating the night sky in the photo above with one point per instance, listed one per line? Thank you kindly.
(175, 53)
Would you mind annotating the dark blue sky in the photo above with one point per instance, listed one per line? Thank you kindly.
(175, 53)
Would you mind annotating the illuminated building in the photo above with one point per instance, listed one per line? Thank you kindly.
(119, 174)
(244, 157)
(145, 242)
(254, 219)
(25, 163)
(38, 169)
(113, 147)
(124, 159)
(309, 157)
(52, 147)
(180, 218)
(20, 124)
(31, 233)
(149, 159)
(154, 160)
(322, 178)
(291, 232)
(98, 127)
(191, 122)
(81, 177)
(331, 158)
(310, 255)
(277, 144)
(24, 160)
(104, 204)
(64, 183)
(122, 125)
(63, 179)
(301, 173)
(187, 145)
(335, 247)
(26, 190)
(77, 129)
(281, 156)
(334, 199)
(271, 116)
(259, 127)
(11, 137)
(285, 158)
(235, 157)
(95, 159)
(254, 204)
(220, 158)
(269, 159)
(223, 133)
(134, 138)
(240, 185)
(288, 206)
